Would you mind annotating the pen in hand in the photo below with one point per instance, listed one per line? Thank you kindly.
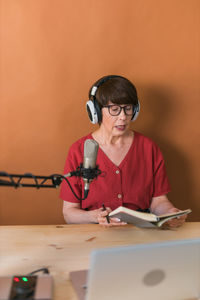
(107, 217)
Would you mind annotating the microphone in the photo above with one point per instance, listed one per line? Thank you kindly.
(89, 163)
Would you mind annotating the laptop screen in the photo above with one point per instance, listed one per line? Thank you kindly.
(165, 270)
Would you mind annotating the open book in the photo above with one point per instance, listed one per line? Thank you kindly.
(142, 219)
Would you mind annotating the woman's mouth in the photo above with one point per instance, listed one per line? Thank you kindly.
(120, 127)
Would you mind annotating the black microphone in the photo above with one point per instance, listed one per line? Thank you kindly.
(89, 163)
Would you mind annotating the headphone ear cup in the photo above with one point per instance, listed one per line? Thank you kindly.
(92, 113)
(98, 110)
(136, 112)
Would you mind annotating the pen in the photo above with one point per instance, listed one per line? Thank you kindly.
(107, 217)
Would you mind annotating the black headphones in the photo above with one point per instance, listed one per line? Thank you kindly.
(93, 109)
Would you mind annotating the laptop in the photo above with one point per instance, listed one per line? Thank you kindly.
(165, 270)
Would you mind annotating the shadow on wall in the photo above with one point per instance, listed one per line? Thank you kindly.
(157, 109)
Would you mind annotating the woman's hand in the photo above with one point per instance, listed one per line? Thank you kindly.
(102, 220)
(161, 205)
(176, 222)
(73, 214)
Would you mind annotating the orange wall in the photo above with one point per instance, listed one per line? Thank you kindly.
(51, 53)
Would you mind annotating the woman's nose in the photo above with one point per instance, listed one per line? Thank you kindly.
(122, 114)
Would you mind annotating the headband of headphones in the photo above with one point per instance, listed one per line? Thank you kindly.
(93, 109)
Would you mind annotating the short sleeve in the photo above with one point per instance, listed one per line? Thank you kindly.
(161, 185)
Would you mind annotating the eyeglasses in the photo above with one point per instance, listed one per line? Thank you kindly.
(115, 110)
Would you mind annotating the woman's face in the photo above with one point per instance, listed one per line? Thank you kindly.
(117, 125)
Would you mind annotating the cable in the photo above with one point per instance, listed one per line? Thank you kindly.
(63, 177)
(44, 270)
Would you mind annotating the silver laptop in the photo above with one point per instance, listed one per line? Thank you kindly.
(165, 270)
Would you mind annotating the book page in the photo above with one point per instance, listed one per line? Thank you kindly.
(141, 215)
(130, 219)
(179, 213)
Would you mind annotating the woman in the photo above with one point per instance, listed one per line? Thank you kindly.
(133, 170)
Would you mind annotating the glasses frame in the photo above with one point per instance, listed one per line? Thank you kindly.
(121, 107)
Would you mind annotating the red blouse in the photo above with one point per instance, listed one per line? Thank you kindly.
(139, 177)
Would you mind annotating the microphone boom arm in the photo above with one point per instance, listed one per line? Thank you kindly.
(51, 181)
(87, 170)
(23, 180)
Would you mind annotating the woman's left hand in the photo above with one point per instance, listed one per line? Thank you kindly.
(161, 205)
(176, 222)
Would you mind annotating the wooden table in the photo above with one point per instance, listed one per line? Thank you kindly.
(64, 248)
